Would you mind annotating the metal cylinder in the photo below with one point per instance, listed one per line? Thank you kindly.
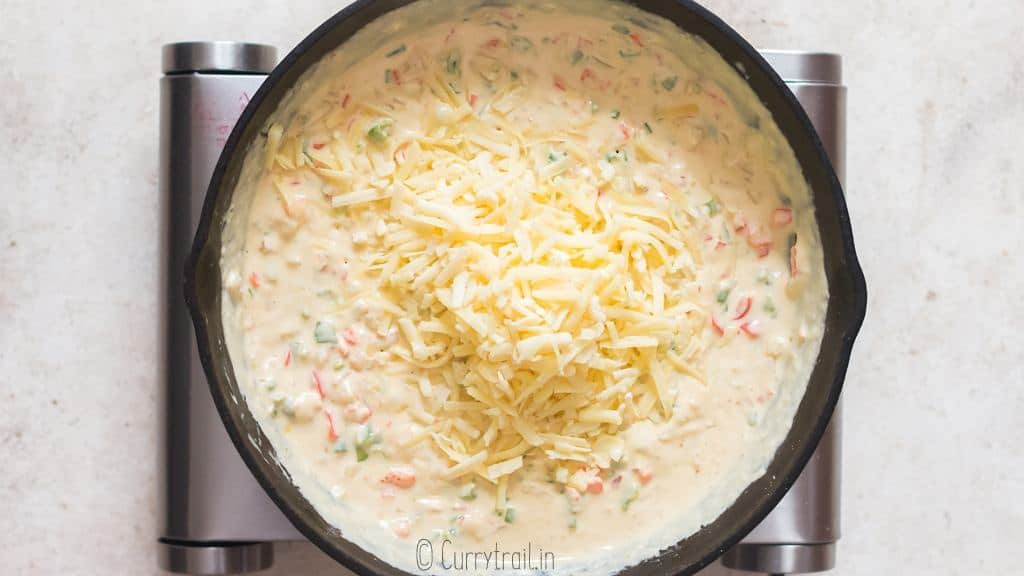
(205, 88)
(800, 534)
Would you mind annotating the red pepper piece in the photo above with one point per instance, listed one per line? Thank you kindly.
(717, 327)
(744, 308)
(332, 433)
(319, 386)
(782, 217)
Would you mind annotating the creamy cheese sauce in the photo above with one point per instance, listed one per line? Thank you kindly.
(458, 179)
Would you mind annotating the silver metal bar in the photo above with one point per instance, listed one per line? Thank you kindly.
(801, 532)
(209, 496)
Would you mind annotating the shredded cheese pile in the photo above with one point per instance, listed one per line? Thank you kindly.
(545, 301)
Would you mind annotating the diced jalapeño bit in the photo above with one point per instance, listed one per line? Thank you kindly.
(380, 131)
(468, 491)
(521, 43)
(361, 453)
(452, 64)
(722, 296)
(324, 333)
(510, 515)
(631, 496)
(713, 207)
(365, 438)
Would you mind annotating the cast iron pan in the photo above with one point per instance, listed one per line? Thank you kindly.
(847, 302)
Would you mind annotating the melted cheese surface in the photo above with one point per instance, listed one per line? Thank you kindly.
(523, 275)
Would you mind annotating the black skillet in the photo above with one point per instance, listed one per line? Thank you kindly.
(847, 301)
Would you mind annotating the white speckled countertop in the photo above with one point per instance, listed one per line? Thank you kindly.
(934, 456)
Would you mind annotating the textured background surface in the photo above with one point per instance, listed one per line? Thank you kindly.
(934, 471)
